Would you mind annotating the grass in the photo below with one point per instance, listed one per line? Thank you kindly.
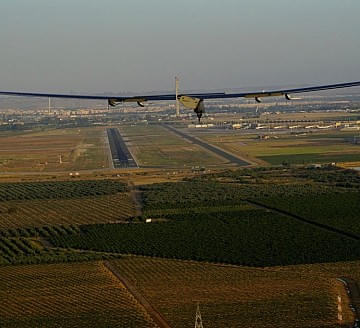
(311, 158)
(229, 296)
(153, 145)
(80, 148)
(315, 147)
(66, 295)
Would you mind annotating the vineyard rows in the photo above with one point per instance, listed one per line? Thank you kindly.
(37, 213)
(233, 296)
(28, 251)
(71, 295)
(59, 189)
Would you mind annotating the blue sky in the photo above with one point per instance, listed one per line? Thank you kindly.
(139, 45)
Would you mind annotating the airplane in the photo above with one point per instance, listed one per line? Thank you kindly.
(194, 101)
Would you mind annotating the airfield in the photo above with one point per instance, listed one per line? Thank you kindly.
(133, 224)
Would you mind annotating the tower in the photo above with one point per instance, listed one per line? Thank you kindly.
(198, 320)
(176, 96)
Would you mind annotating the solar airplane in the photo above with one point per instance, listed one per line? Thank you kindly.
(194, 101)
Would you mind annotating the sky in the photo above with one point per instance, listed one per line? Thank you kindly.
(93, 46)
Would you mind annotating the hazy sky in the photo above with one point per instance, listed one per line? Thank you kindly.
(139, 45)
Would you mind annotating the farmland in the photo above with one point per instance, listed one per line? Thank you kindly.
(238, 254)
(154, 146)
(36, 204)
(251, 238)
(230, 296)
(81, 148)
(20, 250)
(71, 295)
(229, 217)
(220, 219)
(317, 147)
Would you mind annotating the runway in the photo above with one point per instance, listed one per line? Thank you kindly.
(121, 156)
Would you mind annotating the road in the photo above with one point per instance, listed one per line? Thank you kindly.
(353, 292)
(231, 158)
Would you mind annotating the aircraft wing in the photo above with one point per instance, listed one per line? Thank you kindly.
(189, 100)
(217, 95)
(283, 92)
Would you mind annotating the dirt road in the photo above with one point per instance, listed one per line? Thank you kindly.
(156, 316)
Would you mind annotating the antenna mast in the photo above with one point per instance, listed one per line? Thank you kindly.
(176, 96)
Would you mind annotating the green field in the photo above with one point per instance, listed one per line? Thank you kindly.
(251, 238)
(316, 147)
(311, 158)
(154, 146)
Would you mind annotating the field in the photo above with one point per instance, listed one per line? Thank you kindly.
(255, 247)
(16, 250)
(80, 149)
(229, 296)
(240, 217)
(37, 204)
(251, 238)
(317, 147)
(307, 116)
(154, 146)
(66, 295)
(87, 294)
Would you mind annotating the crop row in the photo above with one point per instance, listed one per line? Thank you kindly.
(338, 210)
(37, 213)
(253, 238)
(233, 296)
(25, 251)
(308, 196)
(59, 189)
(64, 295)
(44, 231)
(195, 194)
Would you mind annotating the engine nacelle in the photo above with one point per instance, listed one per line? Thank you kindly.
(112, 102)
(196, 104)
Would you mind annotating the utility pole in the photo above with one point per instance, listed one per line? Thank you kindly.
(176, 96)
(198, 320)
(49, 112)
